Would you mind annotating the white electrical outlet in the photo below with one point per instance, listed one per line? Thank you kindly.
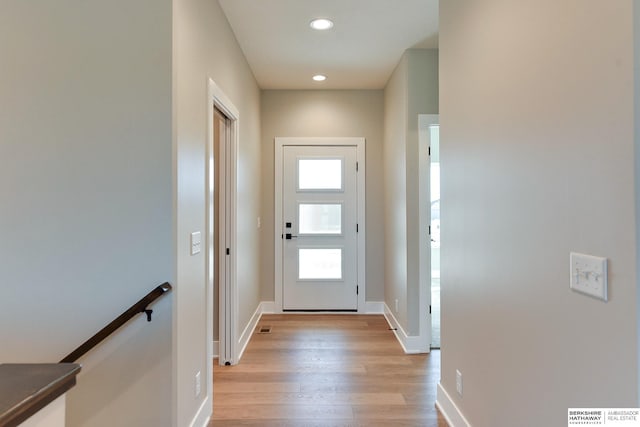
(589, 275)
(198, 384)
(259, 222)
(397, 309)
(459, 382)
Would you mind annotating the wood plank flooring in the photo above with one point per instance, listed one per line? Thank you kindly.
(327, 370)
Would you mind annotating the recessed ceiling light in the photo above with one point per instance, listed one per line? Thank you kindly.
(321, 24)
(319, 78)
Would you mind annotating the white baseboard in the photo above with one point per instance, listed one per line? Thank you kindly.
(449, 410)
(265, 307)
(371, 307)
(247, 333)
(374, 307)
(203, 415)
(268, 307)
(409, 343)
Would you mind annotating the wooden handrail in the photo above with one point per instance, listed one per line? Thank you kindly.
(139, 307)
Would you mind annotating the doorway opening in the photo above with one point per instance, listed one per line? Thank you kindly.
(434, 184)
(222, 300)
(429, 225)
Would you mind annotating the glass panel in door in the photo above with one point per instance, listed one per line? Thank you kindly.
(320, 218)
(325, 264)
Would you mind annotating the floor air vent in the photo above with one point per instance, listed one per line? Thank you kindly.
(264, 330)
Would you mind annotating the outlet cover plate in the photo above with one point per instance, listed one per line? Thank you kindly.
(589, 275)
(459, 382)
(198, 385)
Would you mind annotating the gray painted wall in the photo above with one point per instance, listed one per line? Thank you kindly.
(310, 113)
(537, 149)
(411, 90)
(422, 98)
(88, 101)
(636, 73)
(85, 180)
(205, 47)
(395, 190)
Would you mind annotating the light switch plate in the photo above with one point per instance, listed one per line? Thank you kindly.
(589, 275)
(196, 240)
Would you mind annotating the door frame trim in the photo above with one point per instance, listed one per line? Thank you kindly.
(424, 203)
(228, 289)
(359, 143)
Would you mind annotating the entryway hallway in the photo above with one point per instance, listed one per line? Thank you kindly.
(327, 370)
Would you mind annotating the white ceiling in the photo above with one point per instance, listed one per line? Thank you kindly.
(360, 52)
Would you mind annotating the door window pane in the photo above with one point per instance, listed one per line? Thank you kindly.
(320, 218)
(320, 174)
(320, 264)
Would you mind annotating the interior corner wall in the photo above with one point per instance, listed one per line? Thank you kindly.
(636, 44)
(85, 179)
(537, 149)
(422, 99)
(411, 90)
(325, 113)
(394, 157)
(205, 48)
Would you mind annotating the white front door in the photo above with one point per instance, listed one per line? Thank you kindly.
(320, 240)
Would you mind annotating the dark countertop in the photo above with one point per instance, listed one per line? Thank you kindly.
(27, 388)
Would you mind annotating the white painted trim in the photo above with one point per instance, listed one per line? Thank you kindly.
(362, 221)
(265, 307)
(410, 343)
(449, 410)
(268, 307)
(247, 333)
(374, 307)
(223, 103)
(203, 415)
(209, 250)
(424, 221)
(360, 144)
(277, 224)
(228, 292)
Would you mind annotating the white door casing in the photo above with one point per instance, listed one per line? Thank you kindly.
(301, 282)
(424, 197)
(226, 215)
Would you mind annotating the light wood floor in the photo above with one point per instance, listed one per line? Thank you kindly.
(327, 370)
